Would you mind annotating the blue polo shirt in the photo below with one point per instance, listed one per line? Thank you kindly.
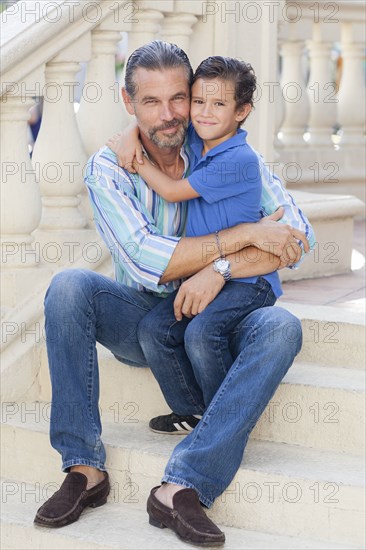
(229, 181)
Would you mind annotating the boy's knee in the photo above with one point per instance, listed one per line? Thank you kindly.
(280, 328)
(197, 336)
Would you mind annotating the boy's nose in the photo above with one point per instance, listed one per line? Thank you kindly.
(206, 111)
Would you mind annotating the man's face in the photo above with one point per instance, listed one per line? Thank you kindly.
(161, 105)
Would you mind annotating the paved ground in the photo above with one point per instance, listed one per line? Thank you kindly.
(341, 291)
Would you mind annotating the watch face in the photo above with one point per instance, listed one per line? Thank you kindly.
(222, 265)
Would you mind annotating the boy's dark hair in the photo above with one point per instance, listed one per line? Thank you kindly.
(156, 55)
(228, 68)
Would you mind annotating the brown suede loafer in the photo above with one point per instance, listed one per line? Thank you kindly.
(187, 518)
(66, 505)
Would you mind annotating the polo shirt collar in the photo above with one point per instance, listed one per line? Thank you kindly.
(235, 141)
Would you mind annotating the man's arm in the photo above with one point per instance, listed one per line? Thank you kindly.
(202, 288)
(276, 239)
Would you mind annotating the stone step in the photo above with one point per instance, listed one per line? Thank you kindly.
(331, 336)
(283, 489)
(117, 527)
(314, 406)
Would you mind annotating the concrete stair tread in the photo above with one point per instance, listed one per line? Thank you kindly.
(324, 313)
(260, 456)
(301, 372)
(125, 528)
(308, 374)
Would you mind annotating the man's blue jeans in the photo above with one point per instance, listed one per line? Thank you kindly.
(83, 307)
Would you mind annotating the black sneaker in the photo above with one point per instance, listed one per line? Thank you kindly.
(174, 424)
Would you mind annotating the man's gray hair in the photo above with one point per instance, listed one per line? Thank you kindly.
(156, 55)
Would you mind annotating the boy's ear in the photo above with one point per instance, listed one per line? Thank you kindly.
(243, 112)
(128, 102)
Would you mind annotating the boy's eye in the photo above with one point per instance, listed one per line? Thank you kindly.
(198, 101)
(219, 103)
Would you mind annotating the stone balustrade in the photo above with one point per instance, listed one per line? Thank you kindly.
(44, 43)
(320, 138)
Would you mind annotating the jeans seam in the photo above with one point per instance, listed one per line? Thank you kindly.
(131, 302)
(90, 386)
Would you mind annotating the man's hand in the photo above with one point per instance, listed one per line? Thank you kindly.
(280, 239)
(197, 292)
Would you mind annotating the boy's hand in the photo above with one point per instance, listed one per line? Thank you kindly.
(127, 147)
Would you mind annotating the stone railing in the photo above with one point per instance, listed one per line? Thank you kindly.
(320, 125)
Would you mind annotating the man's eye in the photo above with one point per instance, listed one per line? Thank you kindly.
(150, 101)
(179, 98)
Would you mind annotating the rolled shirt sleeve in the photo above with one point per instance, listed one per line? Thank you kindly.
(140, 251)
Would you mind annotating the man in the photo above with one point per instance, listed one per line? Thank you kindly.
(151, 256)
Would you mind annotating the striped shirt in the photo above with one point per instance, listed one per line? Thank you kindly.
(142, 230)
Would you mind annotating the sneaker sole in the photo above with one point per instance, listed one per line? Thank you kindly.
(177, 432)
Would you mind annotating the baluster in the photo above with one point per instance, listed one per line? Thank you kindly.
(100, 119)
(100, 115)
(321, 88)
(144, 30)
(294, 89)
(351, 96)
(59, 150)
(20, 199)
(178, 28)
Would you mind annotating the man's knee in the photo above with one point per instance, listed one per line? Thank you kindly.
(65, 290)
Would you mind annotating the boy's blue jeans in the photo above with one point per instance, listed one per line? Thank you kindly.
(83, 307)
(200, 344)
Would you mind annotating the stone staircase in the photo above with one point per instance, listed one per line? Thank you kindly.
(300, 485)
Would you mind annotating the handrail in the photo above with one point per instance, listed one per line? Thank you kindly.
(20, 36)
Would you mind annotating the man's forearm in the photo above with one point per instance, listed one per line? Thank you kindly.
(252, 262)
(276, 239)
(193, 253)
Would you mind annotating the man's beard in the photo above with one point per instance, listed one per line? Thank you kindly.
(174, 140)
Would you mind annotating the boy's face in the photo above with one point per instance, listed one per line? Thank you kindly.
(214, 113)
(161, 105)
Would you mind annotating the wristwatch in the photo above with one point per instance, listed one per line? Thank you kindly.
(222, 266)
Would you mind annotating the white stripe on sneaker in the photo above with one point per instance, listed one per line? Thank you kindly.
(187, 426)
(177, 426)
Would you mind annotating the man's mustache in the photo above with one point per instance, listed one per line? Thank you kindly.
(172, 124)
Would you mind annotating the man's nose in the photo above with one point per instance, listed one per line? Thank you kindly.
(166, 112)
